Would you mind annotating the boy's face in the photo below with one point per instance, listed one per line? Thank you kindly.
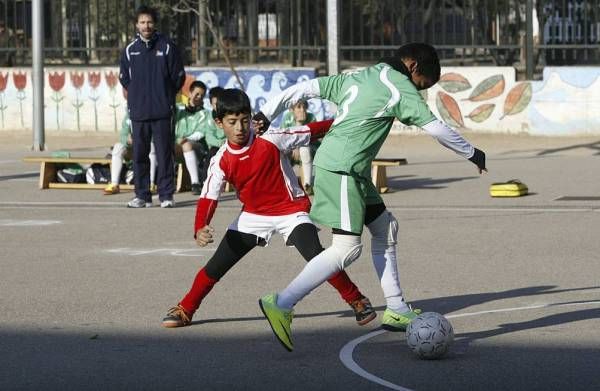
(197, 97)
(418, 79)
(236, 127)
(299, 112)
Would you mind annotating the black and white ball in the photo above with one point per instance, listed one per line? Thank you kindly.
(429, 335)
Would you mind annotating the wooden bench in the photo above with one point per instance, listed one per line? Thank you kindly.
(50, 165)
(379, 174)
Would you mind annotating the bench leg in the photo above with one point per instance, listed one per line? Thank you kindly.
(183, 179)
(379, 176)
(47, 174)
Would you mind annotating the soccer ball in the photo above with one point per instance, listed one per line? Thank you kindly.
(429, 335)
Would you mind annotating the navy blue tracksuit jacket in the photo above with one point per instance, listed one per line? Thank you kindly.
(152, 73)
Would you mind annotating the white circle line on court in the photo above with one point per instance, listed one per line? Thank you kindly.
(348, 349)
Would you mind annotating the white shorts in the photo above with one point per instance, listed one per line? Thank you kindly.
(265, 226)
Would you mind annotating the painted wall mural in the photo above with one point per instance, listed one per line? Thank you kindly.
(481, 99)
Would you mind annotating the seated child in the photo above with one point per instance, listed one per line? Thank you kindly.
(190, 124)
(122, 151)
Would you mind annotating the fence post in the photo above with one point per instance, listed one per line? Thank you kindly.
(333, 47)
(529, 65)
(37, 74)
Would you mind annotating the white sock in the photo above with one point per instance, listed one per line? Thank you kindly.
(152, 157)
(191, 163)
(116, 164)
(385, 263)
(307, 164)
(317, 270)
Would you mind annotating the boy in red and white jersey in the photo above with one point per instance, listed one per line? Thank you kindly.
(273, 202)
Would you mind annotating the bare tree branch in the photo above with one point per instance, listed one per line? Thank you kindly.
(185, 6)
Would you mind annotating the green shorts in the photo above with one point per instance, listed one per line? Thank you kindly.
(340, 200)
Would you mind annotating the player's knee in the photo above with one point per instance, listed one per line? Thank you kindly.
(349, 248)
(186, 146)
(384, 231)
(118, 150)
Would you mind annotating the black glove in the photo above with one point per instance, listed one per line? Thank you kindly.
(260, 117)
(478, 159)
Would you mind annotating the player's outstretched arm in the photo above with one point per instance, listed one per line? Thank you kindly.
(451, 139)
(283, 101)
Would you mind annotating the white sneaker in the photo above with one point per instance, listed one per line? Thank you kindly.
(139, 203)
(167, 204)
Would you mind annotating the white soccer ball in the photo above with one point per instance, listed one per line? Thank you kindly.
(429, 335)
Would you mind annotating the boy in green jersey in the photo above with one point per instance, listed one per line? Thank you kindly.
(191, 124)
(345, 198)
(299, 115)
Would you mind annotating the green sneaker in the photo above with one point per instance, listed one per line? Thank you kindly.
(393, 321)
(279, 319)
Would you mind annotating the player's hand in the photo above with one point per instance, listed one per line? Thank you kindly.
(260, 123)
(129, 139)
(478, 159)
(204, 236)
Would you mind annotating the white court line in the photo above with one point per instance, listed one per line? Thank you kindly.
(27, 223)
(176, 252)
(347, 350)
(93, 204)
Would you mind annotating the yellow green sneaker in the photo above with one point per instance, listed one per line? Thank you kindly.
(279, 319)
(393, 321)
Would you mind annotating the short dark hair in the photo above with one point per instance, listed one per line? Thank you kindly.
(215, 92)
(303, 102)
(197, 84)
(428, 62)
(145, 10)
(232, 101)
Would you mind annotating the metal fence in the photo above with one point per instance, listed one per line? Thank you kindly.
(527, 34)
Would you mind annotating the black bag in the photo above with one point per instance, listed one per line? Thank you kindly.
(98, 173)
(73, 174)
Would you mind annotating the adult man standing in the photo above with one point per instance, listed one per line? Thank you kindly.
(152, 73)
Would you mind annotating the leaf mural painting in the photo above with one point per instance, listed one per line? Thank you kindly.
(517, 99)
(481, 112)
(489, 88)
(449, 110)
(454, 82)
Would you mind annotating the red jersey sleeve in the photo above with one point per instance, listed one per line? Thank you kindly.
(205, 209)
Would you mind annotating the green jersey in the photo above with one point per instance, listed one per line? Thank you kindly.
(125, 130)
(288, 119)
(368, 101)
(214, 135)
(191, 125)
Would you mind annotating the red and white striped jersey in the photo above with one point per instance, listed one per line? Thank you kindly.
(260, 172)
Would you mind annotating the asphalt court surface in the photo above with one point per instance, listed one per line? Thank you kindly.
(85, 282)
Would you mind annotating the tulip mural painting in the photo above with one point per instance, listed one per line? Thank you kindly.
(112, 79)
(57, 82)
(94, 81)
(20, 81)
(77, 80)
(3, 83)
(481, 99)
